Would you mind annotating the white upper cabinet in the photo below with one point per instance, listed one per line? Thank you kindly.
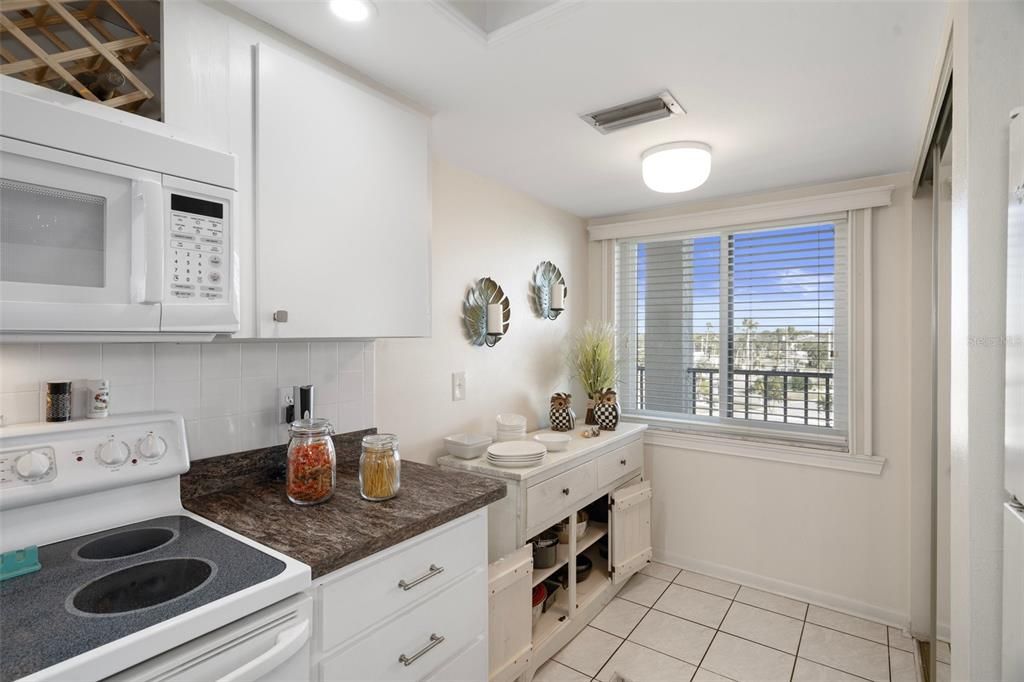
(342, 206)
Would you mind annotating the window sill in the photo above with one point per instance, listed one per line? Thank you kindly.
(776, 452)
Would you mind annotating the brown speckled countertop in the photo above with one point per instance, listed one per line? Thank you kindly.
(245, 492)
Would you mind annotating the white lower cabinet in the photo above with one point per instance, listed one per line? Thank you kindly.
(417, 611)
(602, 476)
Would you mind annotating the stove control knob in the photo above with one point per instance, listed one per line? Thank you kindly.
(113, 452)
(151, 446)
(32, 464)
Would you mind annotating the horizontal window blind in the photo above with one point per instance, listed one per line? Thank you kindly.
(736, 327)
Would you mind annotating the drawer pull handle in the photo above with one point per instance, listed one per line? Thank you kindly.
(434, 570)
(622, 462)
(435, 639)
(565, 491)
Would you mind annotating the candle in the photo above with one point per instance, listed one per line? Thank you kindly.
(494, 314)
(558, 297)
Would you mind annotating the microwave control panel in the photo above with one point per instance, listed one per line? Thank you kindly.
(197, 267)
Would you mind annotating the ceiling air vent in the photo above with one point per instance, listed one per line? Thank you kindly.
(634, 113)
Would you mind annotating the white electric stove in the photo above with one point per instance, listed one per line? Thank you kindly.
(132, 585)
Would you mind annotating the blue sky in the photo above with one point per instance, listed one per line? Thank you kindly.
(783, 277)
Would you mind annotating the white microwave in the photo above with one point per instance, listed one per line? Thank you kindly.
(98, 239)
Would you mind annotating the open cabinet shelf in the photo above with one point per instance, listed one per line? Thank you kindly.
(554, 619)
(595, 531)
(540, 574)
(596, 582)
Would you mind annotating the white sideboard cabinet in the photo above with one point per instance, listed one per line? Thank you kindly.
(603, 476)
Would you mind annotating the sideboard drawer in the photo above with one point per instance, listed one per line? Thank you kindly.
(420, 567)
(548, 499)
(624, 461)
(420, 641)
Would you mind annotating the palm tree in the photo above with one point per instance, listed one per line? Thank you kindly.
(750, 325)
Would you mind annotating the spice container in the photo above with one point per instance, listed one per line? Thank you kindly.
(58, 401)
(311, 461)
(380, 467)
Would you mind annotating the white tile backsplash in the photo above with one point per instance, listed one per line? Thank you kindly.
(228, 393)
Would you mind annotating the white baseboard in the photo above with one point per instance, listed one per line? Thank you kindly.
(828, 600)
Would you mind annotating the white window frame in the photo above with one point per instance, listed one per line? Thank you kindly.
(852, 453)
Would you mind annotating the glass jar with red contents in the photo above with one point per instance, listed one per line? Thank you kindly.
(311, 461)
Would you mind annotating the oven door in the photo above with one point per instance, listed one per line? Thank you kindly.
(272, 645)
(74, 253)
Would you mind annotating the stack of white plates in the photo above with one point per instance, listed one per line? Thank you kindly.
(510, 427)
(516, 454)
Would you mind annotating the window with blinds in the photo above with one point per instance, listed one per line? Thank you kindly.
(742, 327)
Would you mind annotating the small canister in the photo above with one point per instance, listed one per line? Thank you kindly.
(58, 401)
(380, 467)
(99, 398)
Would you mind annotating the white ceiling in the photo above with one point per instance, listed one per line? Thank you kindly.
(785, 93)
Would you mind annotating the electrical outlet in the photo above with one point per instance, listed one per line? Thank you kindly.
(458, 386)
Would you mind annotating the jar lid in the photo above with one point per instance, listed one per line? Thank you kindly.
(379, 441)
(310, 427)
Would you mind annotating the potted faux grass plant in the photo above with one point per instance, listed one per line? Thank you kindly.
(592, 360)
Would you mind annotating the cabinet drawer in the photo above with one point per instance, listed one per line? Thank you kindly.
(548, 500)
(469, 666)
(357, 600)
(457, 614)
(624, 461)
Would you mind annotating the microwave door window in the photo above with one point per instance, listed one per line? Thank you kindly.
(51, 236)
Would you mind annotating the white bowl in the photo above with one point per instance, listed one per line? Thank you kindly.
(554, 442)
(511, 420)
(467, 445)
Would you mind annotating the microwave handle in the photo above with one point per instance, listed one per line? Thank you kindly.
(147, 242)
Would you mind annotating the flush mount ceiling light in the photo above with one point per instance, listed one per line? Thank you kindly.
(676, 166)
(352, 10)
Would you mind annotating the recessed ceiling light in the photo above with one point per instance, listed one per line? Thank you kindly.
(352, 10)
(676, 166)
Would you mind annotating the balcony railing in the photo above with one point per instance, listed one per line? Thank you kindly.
(757, 394)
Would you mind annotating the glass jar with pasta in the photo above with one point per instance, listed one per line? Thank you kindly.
(380, 467)
(312, 464)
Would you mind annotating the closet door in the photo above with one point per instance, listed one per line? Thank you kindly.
(630, 530)
(342, 206)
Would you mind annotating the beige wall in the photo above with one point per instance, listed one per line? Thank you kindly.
(482, 229)
(837, 538)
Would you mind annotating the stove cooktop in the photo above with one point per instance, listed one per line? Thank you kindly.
(95, 589)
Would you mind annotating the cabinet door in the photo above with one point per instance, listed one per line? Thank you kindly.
(510, 614)
(630, 530)
(342, 206)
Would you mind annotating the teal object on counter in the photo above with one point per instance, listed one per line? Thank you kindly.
(19, 562)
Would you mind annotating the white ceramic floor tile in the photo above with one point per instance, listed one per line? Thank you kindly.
(942, 672)
(845, 652)
(705, 675)
(772, 602)
(900, 640)
(634, 662)
(673, 636)
(942, 652)
(619, 617)
(809, 671)
(851, 625)
(764, 627)
(746, 661)
(700, 607)
(901, 666)
(589, 651)
(643, 589)
(553, 671)
(706, 583)
(660, 571)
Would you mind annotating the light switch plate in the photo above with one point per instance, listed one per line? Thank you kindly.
(458, 386)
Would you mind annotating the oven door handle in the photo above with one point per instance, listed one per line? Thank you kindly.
(288, 643)
(147, 282)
